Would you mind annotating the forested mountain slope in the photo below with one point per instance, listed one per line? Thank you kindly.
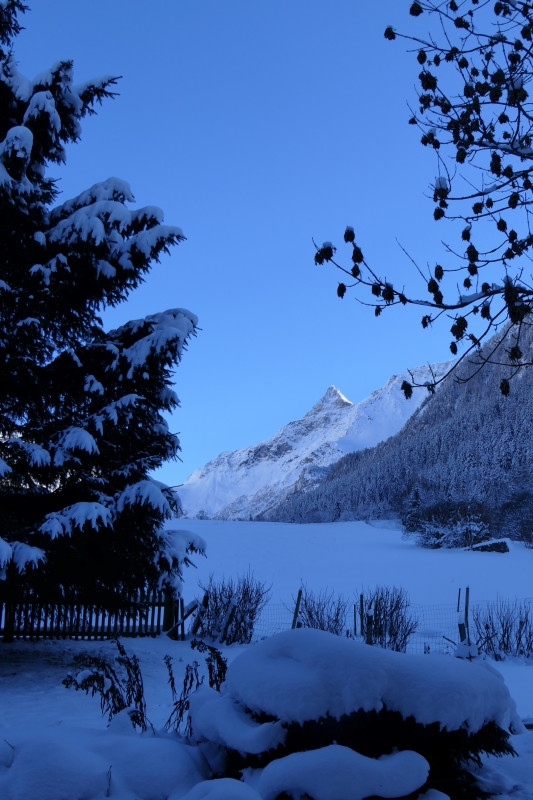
(466, 444)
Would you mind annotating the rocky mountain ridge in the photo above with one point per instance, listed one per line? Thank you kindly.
(249, 482)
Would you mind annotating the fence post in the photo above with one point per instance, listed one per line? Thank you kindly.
(159, 601)
(200, 615)
(467, 605)
(227, 622)
(169, 614)
(9, 621)
(184, 613)
(370, 626)
(182, 619)
(296, 610)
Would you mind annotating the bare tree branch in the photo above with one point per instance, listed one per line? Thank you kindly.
(474, 110)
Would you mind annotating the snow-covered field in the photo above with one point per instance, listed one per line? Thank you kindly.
(344, 556)
(54, 744)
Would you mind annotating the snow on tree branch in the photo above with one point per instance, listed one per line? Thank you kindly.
(76, 516)
(145, 492)
(81, 425)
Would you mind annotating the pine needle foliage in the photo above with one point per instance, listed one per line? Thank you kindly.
(81, 407)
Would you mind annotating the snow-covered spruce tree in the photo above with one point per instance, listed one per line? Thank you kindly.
(81, 422)
(474, 110)
(411, 515)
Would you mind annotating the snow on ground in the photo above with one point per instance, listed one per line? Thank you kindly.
(346, 556)
(335, 772)
(54, 744)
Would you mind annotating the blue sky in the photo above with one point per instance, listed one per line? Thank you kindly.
(257, 125)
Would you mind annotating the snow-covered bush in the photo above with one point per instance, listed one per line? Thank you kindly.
(311, 714)
(118, 684)
(452, 526)
(386, 621)
(386, 610)
(505, 628)
(180, 703)
(527, 538)
(216, 664)
(231, 608)
(324, 611)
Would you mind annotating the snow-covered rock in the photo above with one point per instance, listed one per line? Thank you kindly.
(248, 482)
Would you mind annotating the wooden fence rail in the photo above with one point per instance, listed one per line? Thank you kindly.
(149, 614)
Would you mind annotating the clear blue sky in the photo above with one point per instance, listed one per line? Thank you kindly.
(257, 125)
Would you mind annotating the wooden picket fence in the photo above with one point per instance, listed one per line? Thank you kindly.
(149, 613)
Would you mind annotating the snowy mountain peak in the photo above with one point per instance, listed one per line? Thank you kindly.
(246, 483)
(333, 398)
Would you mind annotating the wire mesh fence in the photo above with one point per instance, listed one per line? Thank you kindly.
(440, 627)
(437, 628)
(275, 618)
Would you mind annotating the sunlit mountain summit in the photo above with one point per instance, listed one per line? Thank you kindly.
(245, 483)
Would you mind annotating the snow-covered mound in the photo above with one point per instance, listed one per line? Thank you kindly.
(307, 674)
(299, 709)
(245, 483)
